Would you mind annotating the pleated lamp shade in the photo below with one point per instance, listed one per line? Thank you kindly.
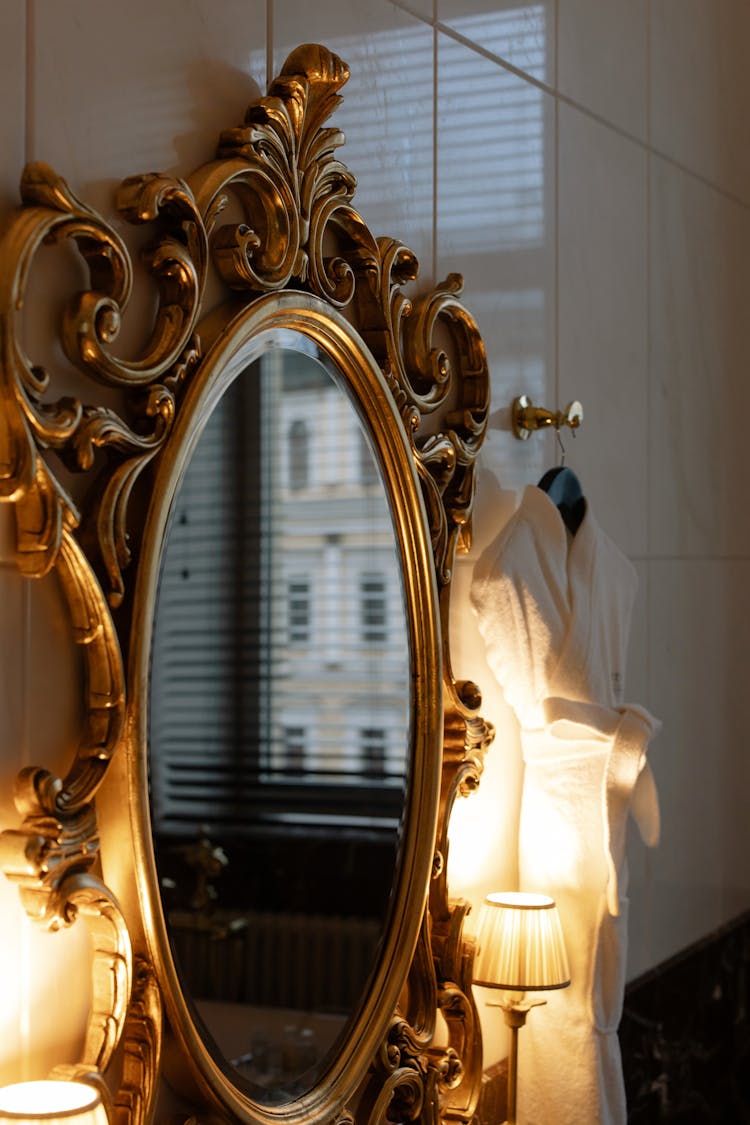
(53, 1103)
(520, 943)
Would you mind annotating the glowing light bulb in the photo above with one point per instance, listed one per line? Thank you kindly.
(69, 1103)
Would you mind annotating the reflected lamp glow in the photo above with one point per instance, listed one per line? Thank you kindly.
(520, 949)
(50, 1102)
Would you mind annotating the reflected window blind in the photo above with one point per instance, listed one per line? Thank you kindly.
(280, 664)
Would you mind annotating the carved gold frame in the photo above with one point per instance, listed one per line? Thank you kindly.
(302, 259)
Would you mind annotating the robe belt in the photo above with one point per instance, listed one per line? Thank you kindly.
(628, 781)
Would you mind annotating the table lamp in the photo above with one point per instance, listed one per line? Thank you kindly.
(52, 1103)
(520, 949)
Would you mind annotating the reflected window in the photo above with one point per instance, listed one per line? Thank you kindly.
(298, 601)
(295, 739)
(299, 454)
(373, 609)
(281, 654)
(372, 751)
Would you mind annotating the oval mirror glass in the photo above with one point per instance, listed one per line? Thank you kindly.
(279, 722)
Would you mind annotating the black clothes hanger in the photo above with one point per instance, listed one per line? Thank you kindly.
(564, 490)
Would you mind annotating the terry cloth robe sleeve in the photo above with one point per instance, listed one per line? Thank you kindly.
(555, 616)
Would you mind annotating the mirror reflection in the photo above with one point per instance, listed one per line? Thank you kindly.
(279, 721)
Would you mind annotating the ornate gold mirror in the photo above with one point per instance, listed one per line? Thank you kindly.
(254, 822)
(278, 710)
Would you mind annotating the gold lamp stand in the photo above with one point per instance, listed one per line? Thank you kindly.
(520, 950)
(515, 1012)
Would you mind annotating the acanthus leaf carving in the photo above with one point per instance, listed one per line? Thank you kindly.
(178, 263)
(282, 168)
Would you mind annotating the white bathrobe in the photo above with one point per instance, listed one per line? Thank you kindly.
(554, 612)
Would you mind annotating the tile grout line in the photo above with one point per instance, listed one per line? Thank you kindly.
(24, 594)
(29, 139)
(689, 558)
(556, 47)
(550, 90)
(649, 376)
(26, 967)
(556, 219)
(654, 151)
(435, 189)
(269, 43)
(430, 21)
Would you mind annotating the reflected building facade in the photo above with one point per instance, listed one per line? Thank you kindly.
(281, 664)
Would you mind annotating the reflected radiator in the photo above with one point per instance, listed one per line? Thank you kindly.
(302, 961)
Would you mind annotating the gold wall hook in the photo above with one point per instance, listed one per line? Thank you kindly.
(526, 417)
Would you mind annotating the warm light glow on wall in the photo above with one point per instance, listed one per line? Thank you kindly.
(468, 834)
(14, 983)
(45, 978)
(45, 991)
(482, 829)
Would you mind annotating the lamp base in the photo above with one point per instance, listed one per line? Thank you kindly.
(515, 1010)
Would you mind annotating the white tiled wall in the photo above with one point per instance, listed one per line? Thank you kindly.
(586, 165)
(602, 342)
